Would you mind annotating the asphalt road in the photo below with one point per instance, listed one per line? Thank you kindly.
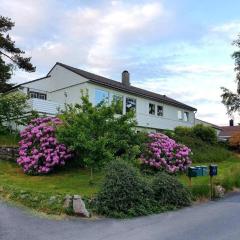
(213, 220)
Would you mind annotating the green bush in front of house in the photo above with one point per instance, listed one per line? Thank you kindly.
(125, 193)
(169, 191)
(96, 135)
(205, 133)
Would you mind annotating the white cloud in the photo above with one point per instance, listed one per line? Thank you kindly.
(196, 69)
(107, 38)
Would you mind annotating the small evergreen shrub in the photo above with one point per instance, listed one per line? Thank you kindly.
(169, 191)
(124, 192)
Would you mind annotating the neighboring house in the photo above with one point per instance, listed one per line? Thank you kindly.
(215, 127)
(228, 131)
(63, 84)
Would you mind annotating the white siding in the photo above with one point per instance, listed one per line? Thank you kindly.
(43, 106)
(64, 82)
(59, 78)
(144, 119)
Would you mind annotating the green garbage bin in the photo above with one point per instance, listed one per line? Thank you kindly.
(199, 171)
(204, 171)
(192, 172)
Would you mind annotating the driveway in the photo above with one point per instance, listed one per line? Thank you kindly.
(213, 220)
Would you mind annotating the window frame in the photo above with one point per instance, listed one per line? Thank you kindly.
(37, 95)
(160, 115)
(180, 118)
(115, 98)
(154, 109)
(187, 116)
(104, 101)
(129, 109)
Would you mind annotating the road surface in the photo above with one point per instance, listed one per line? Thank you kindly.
(214, 220)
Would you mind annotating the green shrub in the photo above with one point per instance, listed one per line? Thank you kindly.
(231, 179)
(169, 191)
(124, 192)
(183, 131)
(205, 133)
(204, 152)
(97, 136)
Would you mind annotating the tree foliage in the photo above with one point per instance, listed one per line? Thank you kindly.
(234, 141)
(230, 99)
(13, 109)
(97, 135)
(10, 55)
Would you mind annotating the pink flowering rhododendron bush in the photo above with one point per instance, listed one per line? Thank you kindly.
(164, 153)
(39, 151)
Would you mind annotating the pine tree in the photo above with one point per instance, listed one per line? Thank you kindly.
(11, 57)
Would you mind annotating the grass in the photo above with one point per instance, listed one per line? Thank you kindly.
(9, 140)
(75, 181)
(207, 153)
(228, 176)
(46, 193)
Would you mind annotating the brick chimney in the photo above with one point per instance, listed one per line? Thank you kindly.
(126, 78)
(231, 123)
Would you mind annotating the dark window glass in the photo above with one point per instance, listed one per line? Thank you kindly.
(160, 110)
(151, 108)
(38, 95)
(130, 104)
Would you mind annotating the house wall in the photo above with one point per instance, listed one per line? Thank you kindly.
(169, 120)
(59, 79)
(64, 86)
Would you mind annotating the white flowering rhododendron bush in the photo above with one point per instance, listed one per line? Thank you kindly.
(164, 153)
(39, 151)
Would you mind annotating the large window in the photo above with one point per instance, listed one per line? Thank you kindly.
(38, 95)
(160, 110)
(180, 117)
(130, 104)
(186, 116)
(151, 108)
(101, 97)
(118, 102)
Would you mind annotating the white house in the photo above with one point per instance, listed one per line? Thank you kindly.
(63, 84)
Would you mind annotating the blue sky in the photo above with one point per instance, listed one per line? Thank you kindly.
(181, 48)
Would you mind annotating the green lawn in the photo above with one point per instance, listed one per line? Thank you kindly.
(74, 181)
(46, 193)
(9, 140)
(228, 176)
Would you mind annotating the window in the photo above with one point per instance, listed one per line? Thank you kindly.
(38, 95)
(118, 101)
(130, 104)
(151, 108)
(160, 110)
(186, 116)
(101, 97)
(180, 115)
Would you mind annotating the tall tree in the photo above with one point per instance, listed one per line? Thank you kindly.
(232, 99)
(11, 57)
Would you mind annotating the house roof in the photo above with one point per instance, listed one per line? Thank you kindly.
(228, 131)
(106, 82)
(211, 124)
